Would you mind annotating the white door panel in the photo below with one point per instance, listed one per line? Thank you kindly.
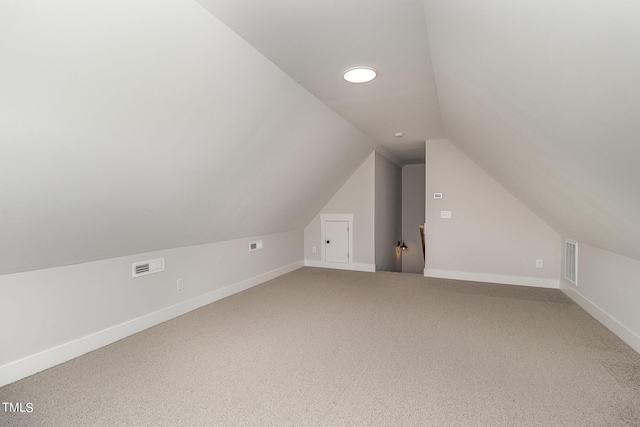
(336, 241)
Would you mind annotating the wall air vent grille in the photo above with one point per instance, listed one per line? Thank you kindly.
(571, 262)
(147, 267)
(142, 268)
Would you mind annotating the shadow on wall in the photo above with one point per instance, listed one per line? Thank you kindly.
(413, 215)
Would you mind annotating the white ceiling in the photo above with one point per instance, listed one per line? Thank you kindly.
(543, 95)
(148, 124)
(315, 41)
(124, 131)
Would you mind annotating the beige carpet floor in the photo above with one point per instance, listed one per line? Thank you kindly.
(328, 347)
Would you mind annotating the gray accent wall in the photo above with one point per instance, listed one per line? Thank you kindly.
(413, 210)
(388, 214)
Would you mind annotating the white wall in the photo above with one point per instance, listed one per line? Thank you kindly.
(491, 236)
(355, 197)
(548, 106)
(544, 96)
(609, 289)
(147, 124)
(388, 214)
(413, 210)
(52, 315)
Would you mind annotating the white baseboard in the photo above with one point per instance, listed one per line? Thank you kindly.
(355, 266)
(538, 282)
(38, 362)
(610, 322)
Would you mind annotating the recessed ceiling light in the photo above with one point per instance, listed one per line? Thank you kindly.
(399, 135)
(360, 74)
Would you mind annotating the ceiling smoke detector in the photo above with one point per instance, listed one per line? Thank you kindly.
(361, 74)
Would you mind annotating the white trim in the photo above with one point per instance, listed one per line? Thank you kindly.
(336, 217)
(538, 282)
(35, 363)
(354, 266)
(610, 322)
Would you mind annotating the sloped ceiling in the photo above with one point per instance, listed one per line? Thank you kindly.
(545, 96)
(127, 127)
(316, 41)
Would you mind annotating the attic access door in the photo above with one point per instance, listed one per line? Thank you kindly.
(336, 241)
(337, 238)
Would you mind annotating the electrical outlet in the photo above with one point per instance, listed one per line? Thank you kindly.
(445, 214)
(180, 284)
(538, 263)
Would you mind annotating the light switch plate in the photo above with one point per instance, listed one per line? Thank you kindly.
(445, 214)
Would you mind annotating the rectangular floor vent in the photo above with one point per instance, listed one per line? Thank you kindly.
(147, 267)
(571, 262)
